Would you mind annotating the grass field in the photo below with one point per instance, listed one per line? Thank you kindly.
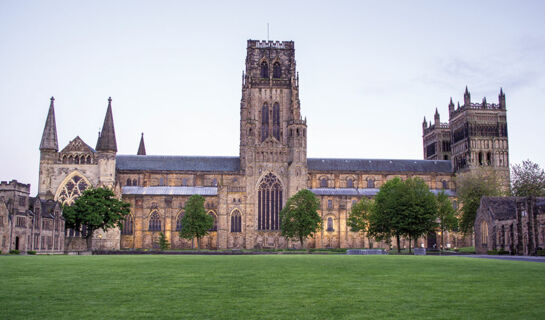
(269, 287)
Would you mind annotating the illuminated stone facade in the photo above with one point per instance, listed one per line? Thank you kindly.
(244, 193)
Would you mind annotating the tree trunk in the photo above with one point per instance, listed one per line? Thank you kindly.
(409, 244)
(198, 244)
(442, 243)
(89, 240)
(192, 243)
(398, 244)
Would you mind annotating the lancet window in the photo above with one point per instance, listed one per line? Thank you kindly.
(154, 222)
(128, 225)
(236, 221)
(277, 70)
(269, 202)
(264, 122)
(264, 69)
(276, 121)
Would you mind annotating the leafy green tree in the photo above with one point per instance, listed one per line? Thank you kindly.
(418, 209)
(446, 215)
(527, 179)
(384, 215)
(195, 222)
(96, 208)
(470, 188)
(358, 219)
(403, 208)
(299, 218)
(163, 242)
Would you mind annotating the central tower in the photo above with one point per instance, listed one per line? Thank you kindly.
(272, 134)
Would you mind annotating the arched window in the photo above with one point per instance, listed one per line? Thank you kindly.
(134, 182)
(127, 225)
(277, 70)
(236, 220)
(128, 182)
(445, 184)
(161, 181)
(484, 233)
(215, 182)
(349, 183)
(88, 160)
(179, 221)
(330, 224)
(370, 183)
(76, 159)
(488, 158)
(264, 122)
(72, 189)
(264, 69)
(480, 158)
(323, 183)
(154, 222)
(276, 121)
(330, 204)
(215, 226)
(269, 203)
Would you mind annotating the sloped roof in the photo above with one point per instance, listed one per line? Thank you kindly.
(362, 192)
(177, 163)
(174, 191)
(502, 208)
(392, 165)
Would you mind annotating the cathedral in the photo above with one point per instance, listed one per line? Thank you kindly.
(245, 194)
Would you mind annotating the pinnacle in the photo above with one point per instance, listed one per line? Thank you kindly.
(49, 136)
(106, 140)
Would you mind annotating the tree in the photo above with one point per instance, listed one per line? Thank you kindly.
(163, 242)
(195, 222)
(527, 179)
(446, 215)
(96, 208)
(403, 208)
(384, 214)
(470, 188)
(358, 219)
(299, 218)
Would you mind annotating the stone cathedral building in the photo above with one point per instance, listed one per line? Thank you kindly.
(245, 194)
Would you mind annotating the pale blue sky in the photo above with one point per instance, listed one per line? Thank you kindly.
(369, 72)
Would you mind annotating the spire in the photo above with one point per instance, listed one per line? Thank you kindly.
(436, 118)
(450, 107)
(49, 136)
(484, 102)
(141, 147)
(106, 140)
(467, 98)
(501, 99)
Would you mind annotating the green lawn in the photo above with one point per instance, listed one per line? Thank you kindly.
(269, 287)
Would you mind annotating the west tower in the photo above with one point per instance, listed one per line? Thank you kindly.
(272, 134)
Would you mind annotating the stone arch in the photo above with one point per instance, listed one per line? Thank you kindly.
(236, 220)
(179, 217)
(128, 225)
(263, 69)
(270, 199)
(154, 221)
(213, 214)
(72, 187)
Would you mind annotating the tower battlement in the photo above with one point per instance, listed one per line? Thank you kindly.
(15, 185)
(262, 44)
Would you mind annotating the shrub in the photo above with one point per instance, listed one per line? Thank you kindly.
(14, 252)
(492, 252)
(503, 252)
(541, 253)
(31, 252)
(466, 250)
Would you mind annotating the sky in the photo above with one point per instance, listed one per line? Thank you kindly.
(369, 72)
